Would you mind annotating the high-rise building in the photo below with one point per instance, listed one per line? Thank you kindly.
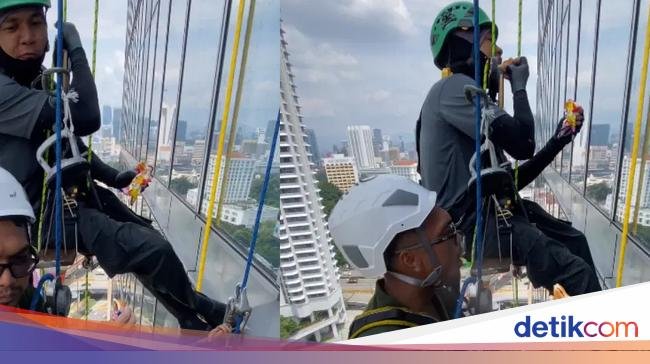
(268, 134)
(360, 141)
(644, 201)
(166, 130)
(377, 141)
(599, 134)
(117, 122)
(107, 115)
(240, 179)
(311, 136)
(341, 171)
(406, 168)
(393, 154)
(309, 277)
(198, 151)
(181, 131)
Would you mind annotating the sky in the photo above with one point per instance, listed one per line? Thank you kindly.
(260, 99)
(110, 42)
(369, 62)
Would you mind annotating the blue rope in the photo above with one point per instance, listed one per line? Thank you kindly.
(478, 231)
(39, 288)
(59, 82)
(258, 217)
(461, 297)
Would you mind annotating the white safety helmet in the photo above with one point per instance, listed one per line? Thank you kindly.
(367, 219)
(13, 200)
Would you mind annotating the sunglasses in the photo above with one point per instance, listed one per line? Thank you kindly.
(21, 266)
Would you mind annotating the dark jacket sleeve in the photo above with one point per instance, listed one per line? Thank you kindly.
(533, 167)
(85, 113)
(98, 169)
(516, 134)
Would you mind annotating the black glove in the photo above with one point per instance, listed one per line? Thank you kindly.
(518, 75)
(71, 38)
(124, 179)
(564, 133)
(493, 77)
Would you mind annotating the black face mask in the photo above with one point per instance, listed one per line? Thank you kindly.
(22, 71)
(461, 60)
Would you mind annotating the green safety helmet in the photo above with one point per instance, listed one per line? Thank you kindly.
(8, 4)
(457, 15)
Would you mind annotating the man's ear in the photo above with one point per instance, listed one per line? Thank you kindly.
(408, 260)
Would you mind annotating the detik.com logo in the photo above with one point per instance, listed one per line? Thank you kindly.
(569, 326)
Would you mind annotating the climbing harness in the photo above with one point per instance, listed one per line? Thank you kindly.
(633, 157)
(494, 188)
(387, 316)
(59, 179)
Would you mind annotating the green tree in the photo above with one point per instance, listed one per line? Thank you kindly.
(598, 192)
(267, 246)
(272, 197)
(288, 327)
(330, 193)
(181, 185)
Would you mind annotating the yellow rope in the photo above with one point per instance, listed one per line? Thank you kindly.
(635, 151)
(235, 115)
(639, 188)
(222, 137)
(92, 69)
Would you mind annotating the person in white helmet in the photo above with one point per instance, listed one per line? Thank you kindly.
(18, 258)
(388, 227)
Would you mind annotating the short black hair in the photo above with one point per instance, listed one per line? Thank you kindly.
(390, 255)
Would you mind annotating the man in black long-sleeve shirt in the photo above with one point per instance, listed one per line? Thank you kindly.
(122, 241)
(446, 143)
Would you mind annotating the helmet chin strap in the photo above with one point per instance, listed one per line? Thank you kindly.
(433, 279)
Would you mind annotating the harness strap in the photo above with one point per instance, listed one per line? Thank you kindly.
(387, 316)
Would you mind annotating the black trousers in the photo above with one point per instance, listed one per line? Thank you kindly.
(551, 249)
(124, 242)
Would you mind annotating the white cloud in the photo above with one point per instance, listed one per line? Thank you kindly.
(317, 107)
(393, 12)
(378, 96)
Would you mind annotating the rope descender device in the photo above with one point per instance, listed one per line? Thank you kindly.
(139, 183)
(238, 310)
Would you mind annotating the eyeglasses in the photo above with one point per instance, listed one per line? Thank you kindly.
(458, 236)
(22, 266)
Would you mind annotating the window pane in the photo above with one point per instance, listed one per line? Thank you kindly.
(572, 50)
(251, 145)
(583, 96)
(609, 92)
(167, 120)
(158, 78)
(200, 65)
(640, 211)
